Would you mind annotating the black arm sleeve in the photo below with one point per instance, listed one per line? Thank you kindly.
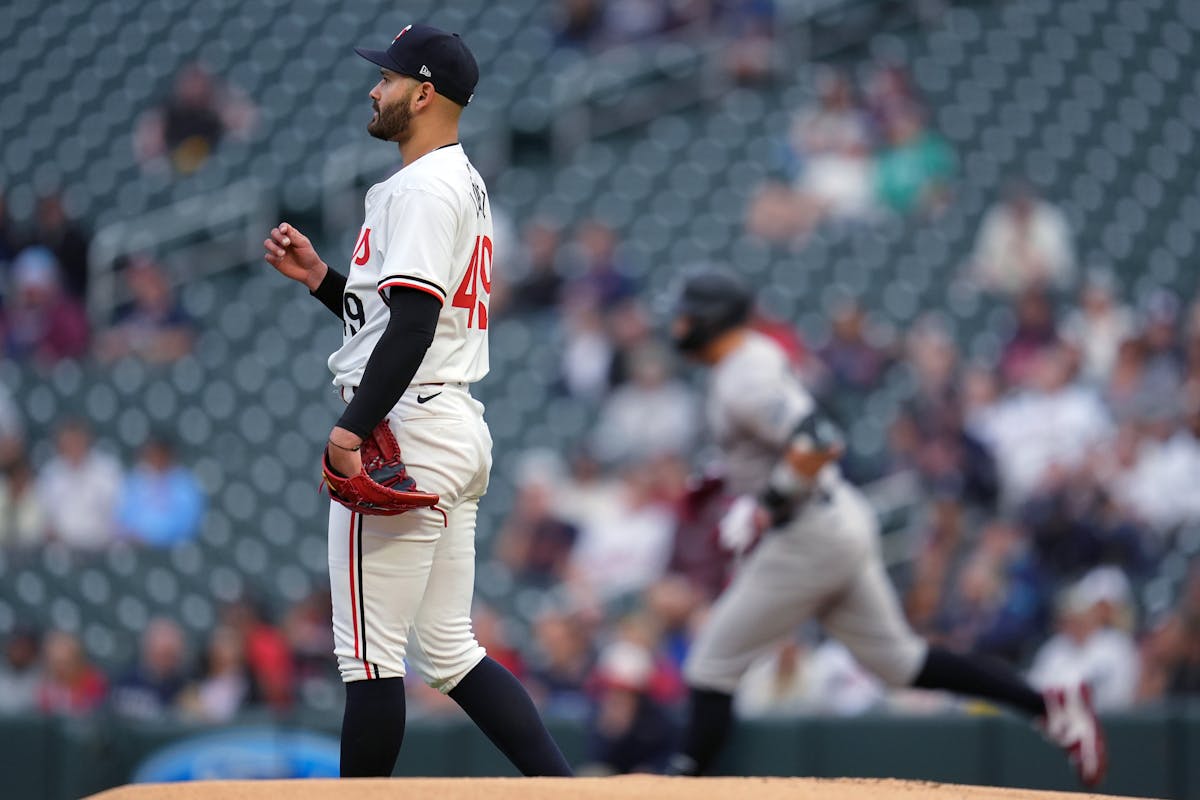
(330, 292)
(394, 361)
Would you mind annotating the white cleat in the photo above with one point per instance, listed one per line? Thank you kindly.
(1071, 724)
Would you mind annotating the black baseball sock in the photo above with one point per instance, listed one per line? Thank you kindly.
(710, 717)
(979, 677)
(372, 727)
(497, 702)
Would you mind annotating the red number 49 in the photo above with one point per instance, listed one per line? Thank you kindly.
(476, 285)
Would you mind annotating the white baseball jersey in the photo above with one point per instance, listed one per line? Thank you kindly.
(428, 227)
(755, 403)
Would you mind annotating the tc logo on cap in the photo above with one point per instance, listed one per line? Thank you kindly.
(407, 28)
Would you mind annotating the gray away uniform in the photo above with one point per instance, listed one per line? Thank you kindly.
(824, 563)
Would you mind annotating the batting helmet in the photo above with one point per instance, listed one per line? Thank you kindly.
(709, 302)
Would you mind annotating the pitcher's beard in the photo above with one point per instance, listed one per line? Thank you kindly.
(392, 124)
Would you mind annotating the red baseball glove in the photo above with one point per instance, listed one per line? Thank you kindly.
(383, 487)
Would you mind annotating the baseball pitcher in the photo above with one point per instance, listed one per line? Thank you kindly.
(409, 459)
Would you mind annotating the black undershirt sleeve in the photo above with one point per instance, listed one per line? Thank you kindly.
(330, 292)
(395, 359)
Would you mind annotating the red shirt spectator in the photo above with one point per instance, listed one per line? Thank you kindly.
(70, 685)
(41, 322)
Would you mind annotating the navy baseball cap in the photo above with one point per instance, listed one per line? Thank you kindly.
(430, 54)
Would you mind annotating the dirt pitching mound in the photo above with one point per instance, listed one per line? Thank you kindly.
(633, 787)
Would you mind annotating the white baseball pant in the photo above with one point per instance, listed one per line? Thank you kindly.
(402, 586)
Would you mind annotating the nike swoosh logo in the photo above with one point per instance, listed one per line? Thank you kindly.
(427, 399)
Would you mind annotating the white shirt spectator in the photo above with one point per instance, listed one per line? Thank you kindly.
(1033, 431)
(79, 500)
(625, 550)
(1098, 335)
(1107, 660)
(1161, 487)
(837, 170)
(643, 420)
(1015, 249)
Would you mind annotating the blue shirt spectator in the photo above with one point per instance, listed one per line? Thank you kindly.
(161, 503)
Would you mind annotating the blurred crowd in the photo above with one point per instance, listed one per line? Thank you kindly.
(855, 153)
(44, 284)
(745, 29)
(245, 663)
(85, 499)
(1046, 484)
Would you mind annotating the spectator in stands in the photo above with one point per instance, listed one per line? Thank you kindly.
(20, 672)
(578, 23)
(889, 96)
(1088, 650)
(1127, 392)
(1163, 354)
(540, 286)
(1158, 462)
(631, 332)
(534, 542)
(748, 27)
(929, 434)
(70, 684)
(1055, 422)
(189, 125)
(587, 352)
(602, 276)
(1098, 327)
(832, 145)
(855, 362)
(162, 503)
(1023, 243)
(224, 687)
(673, 604)
(1036, 332)
(267, 654)
(40, 322)
(827, 159)
(22, 519)
(624, 550)
(913, 172)
(653, 414)
(67, 240)
(630, 731)
(151, 689)
(996, 601)
(154, 327)
(78, 489)
(561, 664)
(310, 637)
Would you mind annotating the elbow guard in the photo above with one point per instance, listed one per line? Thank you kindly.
(786, 489)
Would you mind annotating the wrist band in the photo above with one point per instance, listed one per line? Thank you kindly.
(347, 449)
